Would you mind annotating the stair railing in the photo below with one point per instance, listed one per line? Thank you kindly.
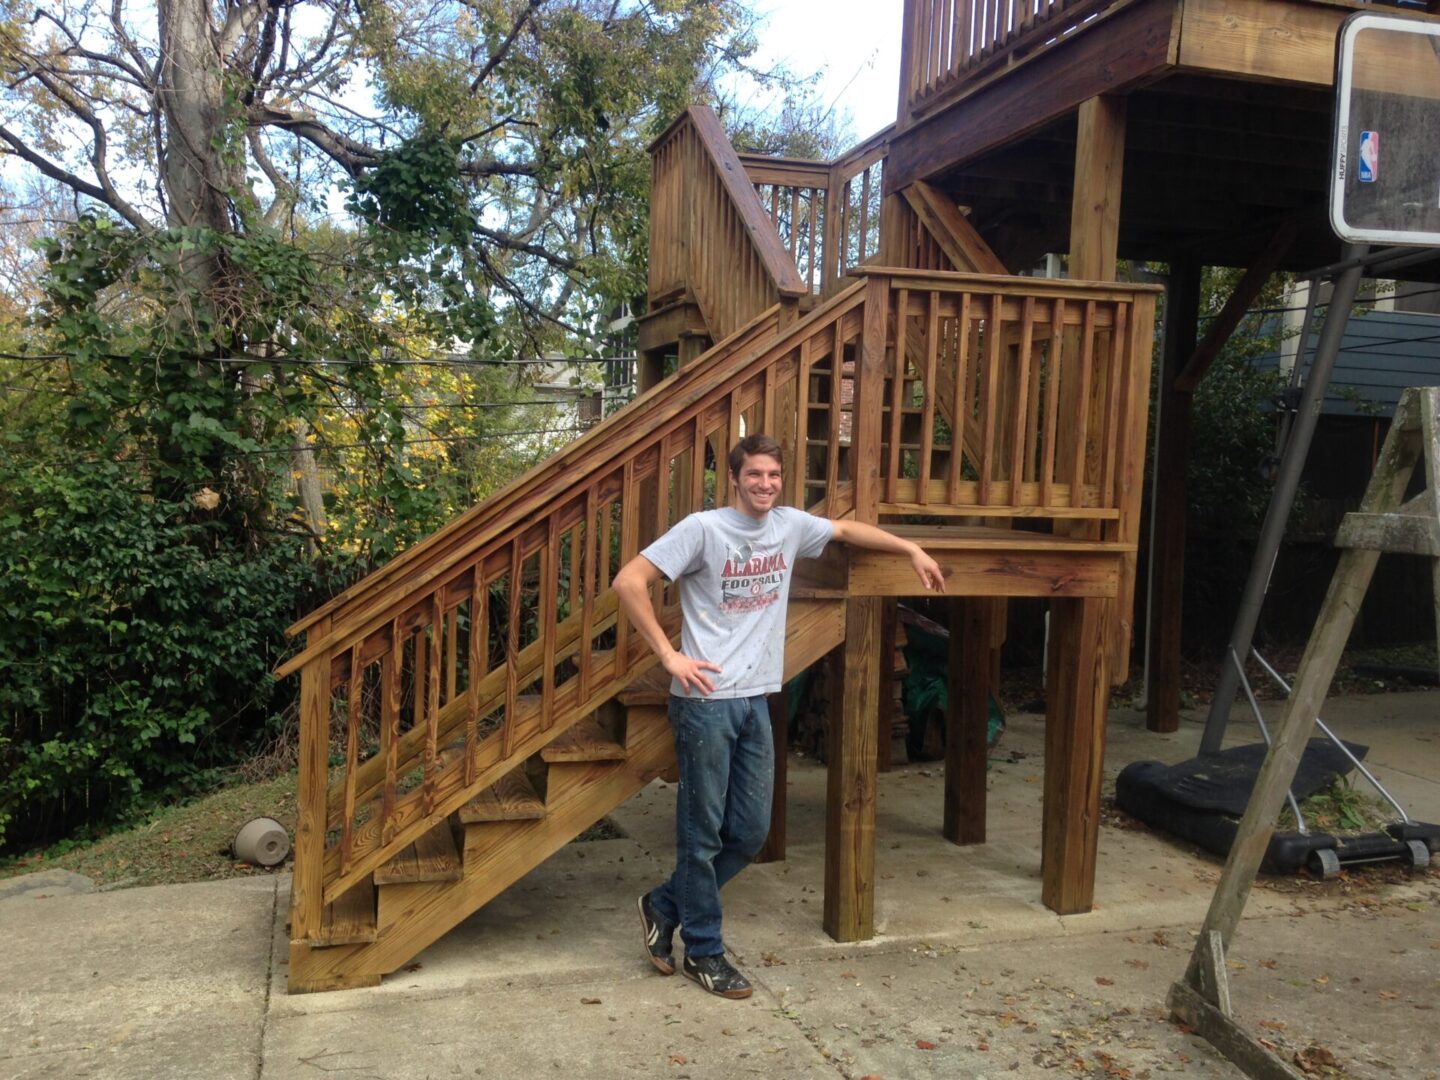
(709, 234)
(440, 673)
(448, 668)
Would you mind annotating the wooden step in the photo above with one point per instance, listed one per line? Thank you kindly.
(586, 741)
(431, 858)
(652, 688)
(350, 920)
(512, 798)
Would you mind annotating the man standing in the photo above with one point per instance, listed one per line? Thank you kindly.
(733, 566)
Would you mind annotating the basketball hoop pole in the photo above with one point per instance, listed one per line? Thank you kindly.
(1282, 499)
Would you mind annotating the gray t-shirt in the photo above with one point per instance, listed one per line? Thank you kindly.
(734, 575)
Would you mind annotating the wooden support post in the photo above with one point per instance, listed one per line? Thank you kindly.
(1077, 692)
(1169, 506)
(967, 719)
(307, 887)
(851, 780)
(850, 773)
(779, 707)
(1095, 209)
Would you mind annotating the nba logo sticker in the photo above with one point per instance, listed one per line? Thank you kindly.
(1369, 156)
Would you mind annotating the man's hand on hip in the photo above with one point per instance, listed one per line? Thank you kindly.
(690, 672)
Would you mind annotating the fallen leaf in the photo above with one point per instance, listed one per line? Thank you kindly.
(1269, 965)
(1322, 980)
(924, 1044)
(1139, 965)
(1388, 995)
(678, 1059)
(982, 1046)
(1273, 1025)
(848, 975)
(589, 1001)
(1101, 980)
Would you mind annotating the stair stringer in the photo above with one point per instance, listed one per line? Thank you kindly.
(414, 916)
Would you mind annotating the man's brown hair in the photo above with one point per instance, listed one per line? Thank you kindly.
(751, 445)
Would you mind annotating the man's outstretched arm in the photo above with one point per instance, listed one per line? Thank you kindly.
(877, 539)
(632, 586)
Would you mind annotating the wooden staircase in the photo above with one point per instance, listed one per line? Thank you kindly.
(482, 696)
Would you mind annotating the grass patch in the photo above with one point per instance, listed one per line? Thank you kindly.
(191, 842)
(177, 844)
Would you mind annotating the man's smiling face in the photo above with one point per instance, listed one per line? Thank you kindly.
(757, 485)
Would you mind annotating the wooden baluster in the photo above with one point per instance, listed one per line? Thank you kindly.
(1082, 405)
(572, 599)
(479, 667)
(795, 225)
(392, 674)
(927, 416)
(452, 650)
(697, 466)
(591, 594)
(864, 248)
(607, 517)
(988, 403)
(629, 542)
(961, 403)
(354, 710)
(432, 703)
(932, 67)
(512, 650)
(732, 431)
(964, 12)
(814, 229)
(845, 214)
(767, 401)
(1055, 379)
(1114, 419)
(663, 468)
(898, 397)
(837, 379)
(549, 616)
(1022, 404)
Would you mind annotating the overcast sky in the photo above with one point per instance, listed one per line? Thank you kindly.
(856, 42)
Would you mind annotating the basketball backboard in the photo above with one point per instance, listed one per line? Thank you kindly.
(1385, 166)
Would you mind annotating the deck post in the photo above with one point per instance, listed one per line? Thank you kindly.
(851, 773)
(1076, 696)
(307, 886)
(1095, 209)
(1168, 507)
(967, 717)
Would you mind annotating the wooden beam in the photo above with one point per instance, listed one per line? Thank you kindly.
(1171, 502)
(999, 571)
(1285, 41)
(851, 780)
(962, 245)
(1224, 324)
(1095, 206)
(967, 719)
(1135, 45)
(1076, 696)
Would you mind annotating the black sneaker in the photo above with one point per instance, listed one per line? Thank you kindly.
(658, 937)
(717, 975)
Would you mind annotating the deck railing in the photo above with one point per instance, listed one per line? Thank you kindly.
(948, 42)
(799, 196)
(709, 234)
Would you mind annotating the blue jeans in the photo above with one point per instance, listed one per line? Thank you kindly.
(722, 811)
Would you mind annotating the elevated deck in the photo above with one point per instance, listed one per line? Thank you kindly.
(1227, 121)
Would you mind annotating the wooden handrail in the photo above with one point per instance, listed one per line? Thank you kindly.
(504, 631)
(710, 237)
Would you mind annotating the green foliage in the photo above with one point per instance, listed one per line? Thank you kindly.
(136, 644)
